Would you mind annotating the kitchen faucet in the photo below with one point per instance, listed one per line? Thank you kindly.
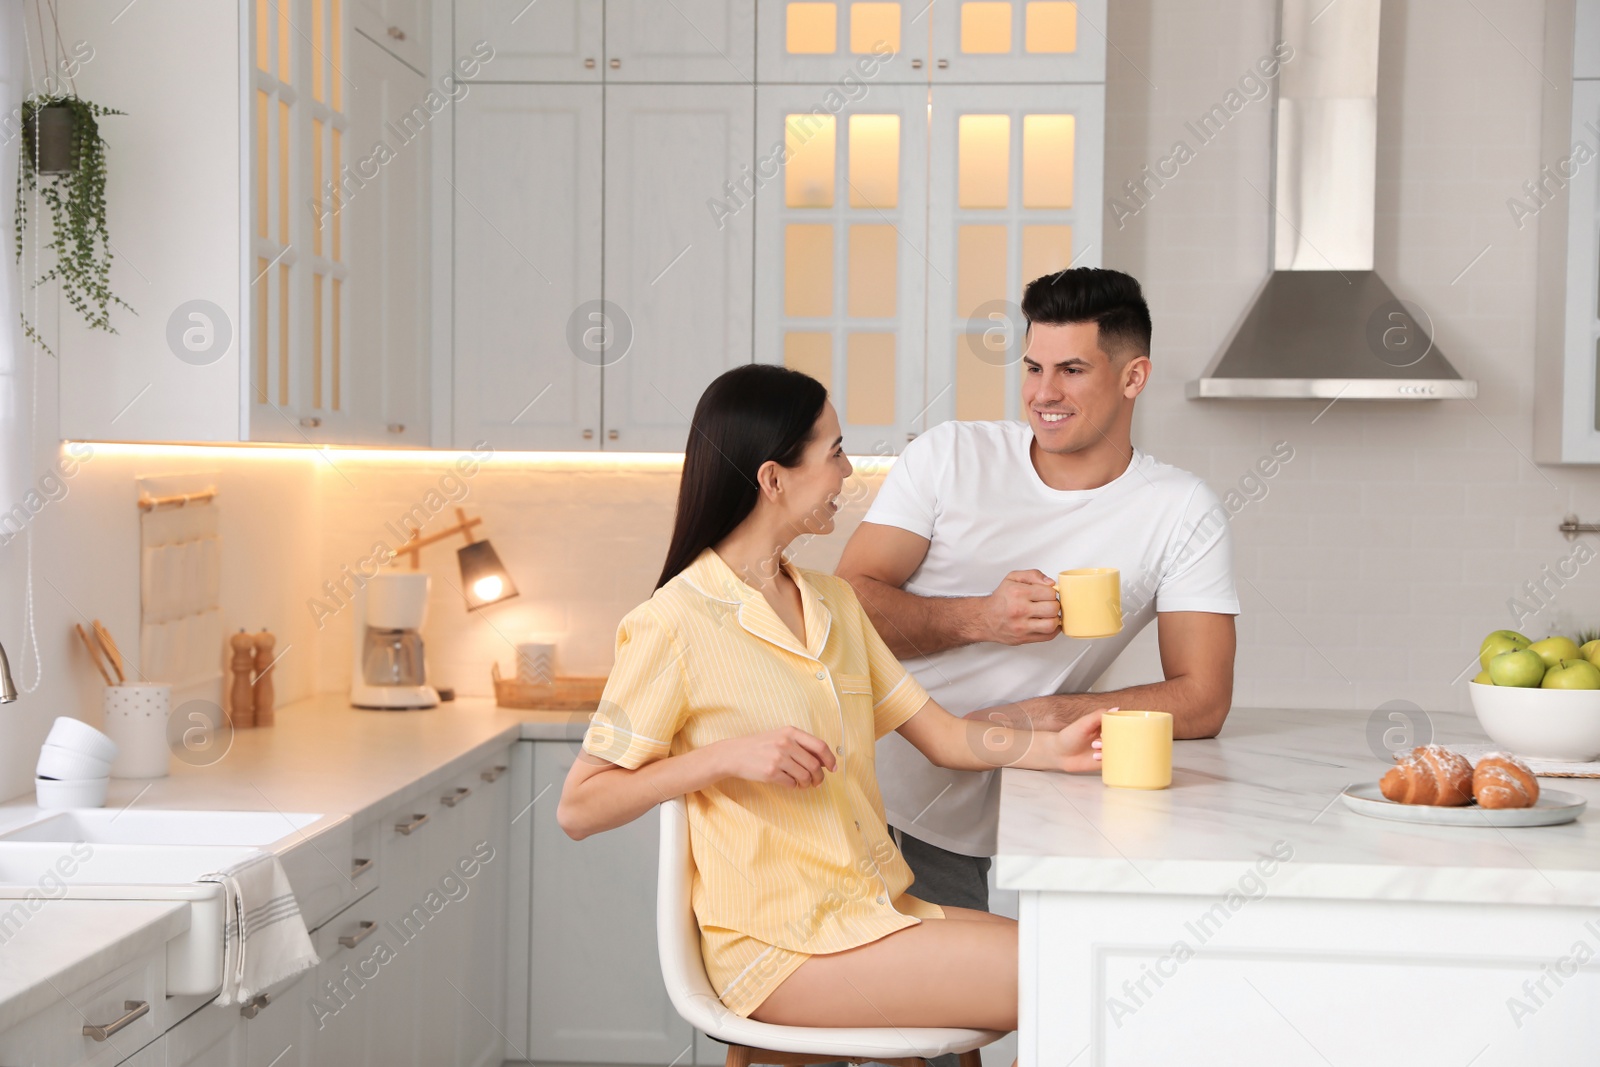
(8, 691)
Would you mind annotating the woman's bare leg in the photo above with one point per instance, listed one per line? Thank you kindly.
(957, 971)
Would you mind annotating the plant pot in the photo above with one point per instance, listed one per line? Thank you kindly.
(47, 140)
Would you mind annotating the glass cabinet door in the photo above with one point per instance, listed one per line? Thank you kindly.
(1012, 197)
(828, 42)
(841, 258)
(1018, 41)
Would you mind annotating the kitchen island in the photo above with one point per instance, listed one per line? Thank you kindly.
(1246, 916)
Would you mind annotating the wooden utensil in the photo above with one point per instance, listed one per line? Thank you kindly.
(94, 653)
(114, 654)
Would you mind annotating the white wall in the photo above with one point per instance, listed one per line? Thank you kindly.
(1398, 534)
(1369, 570)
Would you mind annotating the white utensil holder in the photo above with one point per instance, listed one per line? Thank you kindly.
(136, 719)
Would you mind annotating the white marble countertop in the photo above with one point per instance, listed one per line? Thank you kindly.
(1272, 779)
(66, 944)
(322, 756)
(325, 756)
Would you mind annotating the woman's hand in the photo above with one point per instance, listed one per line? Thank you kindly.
(785, 756)
(1077, 746)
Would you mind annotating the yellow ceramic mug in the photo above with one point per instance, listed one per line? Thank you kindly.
(1091, 601)
(1136, 749)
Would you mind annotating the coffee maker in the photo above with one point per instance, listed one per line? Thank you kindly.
(390, 671)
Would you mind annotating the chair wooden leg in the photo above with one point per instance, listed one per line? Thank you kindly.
(974, 1058)
(738, 1056)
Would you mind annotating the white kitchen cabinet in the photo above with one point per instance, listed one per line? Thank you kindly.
(527, 267)
(349, 364)
(152, 1055)
(130, 1000)
(484, 844)
(1567, 341)
(841, 255)
(211, 1037)
(401, 26)
(596, 990)
(677, 254)
(844, 45)
(1015, 192)
(1018, 41)
(544, 41)
(338, 1007)
(424, 985)
(681, 41)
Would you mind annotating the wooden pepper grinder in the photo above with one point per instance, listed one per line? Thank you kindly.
(243, 697)
(264, 697)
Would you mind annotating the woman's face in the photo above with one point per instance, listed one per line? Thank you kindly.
(810, 497)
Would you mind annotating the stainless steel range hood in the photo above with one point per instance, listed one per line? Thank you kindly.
(1323, 324)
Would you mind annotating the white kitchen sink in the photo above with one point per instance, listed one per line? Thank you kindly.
(32, 874)
(144, 826)
(153, 854)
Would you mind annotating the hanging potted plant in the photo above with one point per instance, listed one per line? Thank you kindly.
(63, 162)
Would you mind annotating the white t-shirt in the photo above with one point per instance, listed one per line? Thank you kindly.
(972, 490)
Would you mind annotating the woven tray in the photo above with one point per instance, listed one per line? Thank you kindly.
(575, 693)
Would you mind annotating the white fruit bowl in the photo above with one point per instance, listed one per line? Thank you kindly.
(1548, 724)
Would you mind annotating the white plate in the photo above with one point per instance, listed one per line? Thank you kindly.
(1554, 807)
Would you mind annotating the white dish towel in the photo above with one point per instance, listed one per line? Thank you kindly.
(265, 940)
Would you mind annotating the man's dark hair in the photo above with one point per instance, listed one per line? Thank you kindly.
(1110, 299)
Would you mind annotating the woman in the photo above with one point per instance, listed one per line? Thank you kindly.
(756, 690)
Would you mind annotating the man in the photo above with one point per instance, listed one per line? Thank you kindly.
(956, 560)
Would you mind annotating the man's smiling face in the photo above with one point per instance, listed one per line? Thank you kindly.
(1072, 391)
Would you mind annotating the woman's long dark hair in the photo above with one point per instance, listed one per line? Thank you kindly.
(749, 415)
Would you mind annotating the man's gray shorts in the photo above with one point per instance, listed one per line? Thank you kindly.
(946, 878)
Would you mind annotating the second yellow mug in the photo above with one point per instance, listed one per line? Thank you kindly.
(1136, 749)
(1091, 601)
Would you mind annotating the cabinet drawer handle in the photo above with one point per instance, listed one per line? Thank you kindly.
(612, 435)
(257, 1002)
(412, 826)
(134, 1008)
(588, 435)
(916, 64)
(360, 867)
(588, 64)
(397, 33)
(311, 421)
(397, 427)
(367, 926)
(944, 64)
(450, 800)
(494, 773)
(616, 64)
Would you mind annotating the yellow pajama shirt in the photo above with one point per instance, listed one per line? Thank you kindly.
(781, 873)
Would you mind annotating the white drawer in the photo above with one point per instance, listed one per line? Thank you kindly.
(56, 1036)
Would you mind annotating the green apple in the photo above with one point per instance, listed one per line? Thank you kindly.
(1589, 650)
(1483, 678)
(1555, 649)
(1520, 667)
(1572, 674)
(1498, 642)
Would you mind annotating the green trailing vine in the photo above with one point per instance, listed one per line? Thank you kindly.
(77, 204)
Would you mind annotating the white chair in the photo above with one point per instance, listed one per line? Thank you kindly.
(751, 1042)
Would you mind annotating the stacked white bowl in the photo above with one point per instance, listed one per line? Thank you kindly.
(74, 766)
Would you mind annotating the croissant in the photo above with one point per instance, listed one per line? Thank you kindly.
(1431, 774)
(1501, 780)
